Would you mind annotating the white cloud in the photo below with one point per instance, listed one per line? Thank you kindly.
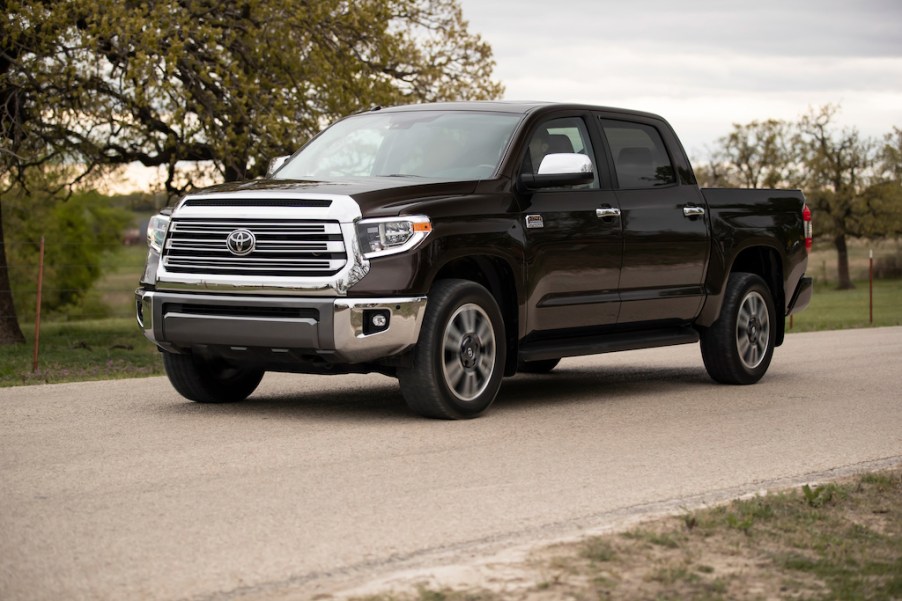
(704, 64)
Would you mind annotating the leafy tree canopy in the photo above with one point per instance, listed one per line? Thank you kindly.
(234, 82)
(853, 184)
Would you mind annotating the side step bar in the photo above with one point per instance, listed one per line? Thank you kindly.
(609, 343)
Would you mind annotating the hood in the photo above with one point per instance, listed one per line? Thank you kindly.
(377, 196)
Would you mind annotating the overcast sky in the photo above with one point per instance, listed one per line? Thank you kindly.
(702, 64)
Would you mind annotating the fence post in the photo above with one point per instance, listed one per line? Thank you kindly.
(37, 311)
(871, 285)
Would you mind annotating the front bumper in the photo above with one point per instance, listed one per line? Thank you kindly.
(337, 330)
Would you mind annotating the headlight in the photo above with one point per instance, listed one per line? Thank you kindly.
(380, 237)
(156, 232)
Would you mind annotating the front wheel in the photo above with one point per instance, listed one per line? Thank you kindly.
(210, 381)
(458, 362)
(738, 347)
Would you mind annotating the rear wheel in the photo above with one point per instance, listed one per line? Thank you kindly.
(739, 346)
(458, 361)
(210, 381)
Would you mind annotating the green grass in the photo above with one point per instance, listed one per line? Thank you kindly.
(81, 350)
(832, 309)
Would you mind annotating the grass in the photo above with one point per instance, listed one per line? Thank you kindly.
(81, 350)
(832, 309)
(76, 349)
(839, 541)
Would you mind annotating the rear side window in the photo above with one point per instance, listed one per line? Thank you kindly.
(640, 158)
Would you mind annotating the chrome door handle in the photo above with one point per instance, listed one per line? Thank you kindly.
(607, 213)
(693, 211)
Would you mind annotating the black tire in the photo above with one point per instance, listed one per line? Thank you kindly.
(458, 362)
(213, 381)
(738, 347)
(543, 366)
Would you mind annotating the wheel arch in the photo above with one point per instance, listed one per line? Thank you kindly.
(497, 276)
(763, 261)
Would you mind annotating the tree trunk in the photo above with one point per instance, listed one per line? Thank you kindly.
(842, 263)
(10, 332)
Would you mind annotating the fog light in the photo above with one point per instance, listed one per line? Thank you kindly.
(375, 321)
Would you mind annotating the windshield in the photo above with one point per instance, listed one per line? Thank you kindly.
(447, 145)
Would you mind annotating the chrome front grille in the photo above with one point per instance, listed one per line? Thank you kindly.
(283, 247)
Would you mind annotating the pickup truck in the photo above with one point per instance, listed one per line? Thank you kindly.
(451, 245)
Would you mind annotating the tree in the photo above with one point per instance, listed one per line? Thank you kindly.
(89, 84)
(759, 154)
(77, 231)
(840, 182)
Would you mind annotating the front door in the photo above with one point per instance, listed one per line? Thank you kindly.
(573, 239)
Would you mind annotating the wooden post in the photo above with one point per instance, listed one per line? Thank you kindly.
(871, 285)
(37, 311)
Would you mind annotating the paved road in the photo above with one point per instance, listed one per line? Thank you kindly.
(122, 490)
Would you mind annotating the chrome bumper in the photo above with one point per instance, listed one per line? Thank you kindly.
(342, 330)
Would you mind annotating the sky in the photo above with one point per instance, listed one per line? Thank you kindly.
(703, 65)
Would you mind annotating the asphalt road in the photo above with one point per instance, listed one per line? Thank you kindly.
(123, 490)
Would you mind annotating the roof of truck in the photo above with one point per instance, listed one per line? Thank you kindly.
(505, 106)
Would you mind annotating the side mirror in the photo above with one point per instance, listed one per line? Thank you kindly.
(561, 169)
(274, 164)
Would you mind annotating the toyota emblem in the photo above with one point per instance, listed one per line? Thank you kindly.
(241, 242)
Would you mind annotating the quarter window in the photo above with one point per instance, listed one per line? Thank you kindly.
(640, 158)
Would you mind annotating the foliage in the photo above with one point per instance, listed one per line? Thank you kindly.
(76, 234)
(844, 184)
(759, 154)
(106, 82)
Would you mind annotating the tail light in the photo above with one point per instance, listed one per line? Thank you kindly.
(809, 231)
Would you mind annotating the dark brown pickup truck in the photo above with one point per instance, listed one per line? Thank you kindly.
(451, 245)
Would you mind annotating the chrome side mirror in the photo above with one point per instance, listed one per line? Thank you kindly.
(563, 163)
(560, 169)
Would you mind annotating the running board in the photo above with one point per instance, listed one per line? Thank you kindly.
(610, 343)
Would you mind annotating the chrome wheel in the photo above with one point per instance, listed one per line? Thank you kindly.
(738, 347)
(468, 352)
(752, 330)
(456, 367)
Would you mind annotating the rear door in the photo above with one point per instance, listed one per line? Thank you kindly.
(665, 224)
(573, 235)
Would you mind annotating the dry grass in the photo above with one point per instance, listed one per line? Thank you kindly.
(837, 541)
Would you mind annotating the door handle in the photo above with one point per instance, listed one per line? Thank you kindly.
(693, 211)
(607, 212)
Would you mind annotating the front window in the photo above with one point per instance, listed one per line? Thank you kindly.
(446, 145)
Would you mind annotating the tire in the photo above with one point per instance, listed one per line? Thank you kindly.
(543, 366)
(738, 347)
(458, 362)
(213, 381)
